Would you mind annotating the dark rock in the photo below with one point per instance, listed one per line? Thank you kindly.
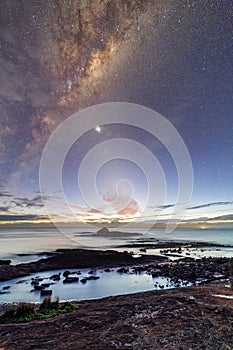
(38, 279)
(34, 283)
(6, 287)
(45, 292)
(38, 287)
(156, 273)
(123, 270)
(142, 250)
(21, 281)
(66, 273)
(90, 278)
(71, 279)
(56, 277)
(5, 262)
(45, 285)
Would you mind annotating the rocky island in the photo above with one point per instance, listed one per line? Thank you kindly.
(105, 232)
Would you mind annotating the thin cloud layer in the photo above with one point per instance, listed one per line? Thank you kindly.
(30, 217)
(210, 205)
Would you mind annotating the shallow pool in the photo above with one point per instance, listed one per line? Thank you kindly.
(109, 283)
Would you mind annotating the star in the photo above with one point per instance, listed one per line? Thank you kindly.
(98, 129)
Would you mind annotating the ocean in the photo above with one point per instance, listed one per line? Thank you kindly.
(15, 244)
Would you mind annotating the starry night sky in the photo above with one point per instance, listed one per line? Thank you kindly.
(58, 57)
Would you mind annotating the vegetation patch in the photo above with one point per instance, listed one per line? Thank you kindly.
(25, 312)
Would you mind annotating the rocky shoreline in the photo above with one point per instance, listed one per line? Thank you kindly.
(181, 272)
(188, 269)
(74, 258)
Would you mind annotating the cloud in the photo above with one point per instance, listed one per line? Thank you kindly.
(209, 205)
(166, 206)
(132, 208)
(21, 217)
(5, 194)
(24, 202)
(199, 206)
(5, 208)
(86, 210)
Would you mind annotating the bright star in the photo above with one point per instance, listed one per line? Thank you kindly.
(98, 128)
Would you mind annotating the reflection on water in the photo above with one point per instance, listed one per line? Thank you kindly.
(109, 283)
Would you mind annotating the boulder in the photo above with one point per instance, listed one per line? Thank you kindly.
(56, 277)
(71, 279)
(66, 273)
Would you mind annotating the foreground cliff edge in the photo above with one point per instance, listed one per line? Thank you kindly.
(194, 318)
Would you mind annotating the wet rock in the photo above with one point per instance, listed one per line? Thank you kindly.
(38, 279)
(34, 283)
(6, 288)
(156, 273)
(45, 285)
(123, 270)
(21, 281)
(38, 287)
(66, 273)
(142, 250)
(71, 279)
(56, 277)
(90, 278)
(46, 292)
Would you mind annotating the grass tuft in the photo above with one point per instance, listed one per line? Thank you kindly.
(25, 312)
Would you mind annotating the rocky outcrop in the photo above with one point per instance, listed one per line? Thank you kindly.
(74, 258)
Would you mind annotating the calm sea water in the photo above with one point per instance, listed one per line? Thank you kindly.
(34, 241)
(108, 284)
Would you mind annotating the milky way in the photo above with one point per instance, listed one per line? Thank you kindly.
(58, 57)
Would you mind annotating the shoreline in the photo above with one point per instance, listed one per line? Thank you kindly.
(74, 258)
(181, 272)
(97, 258)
